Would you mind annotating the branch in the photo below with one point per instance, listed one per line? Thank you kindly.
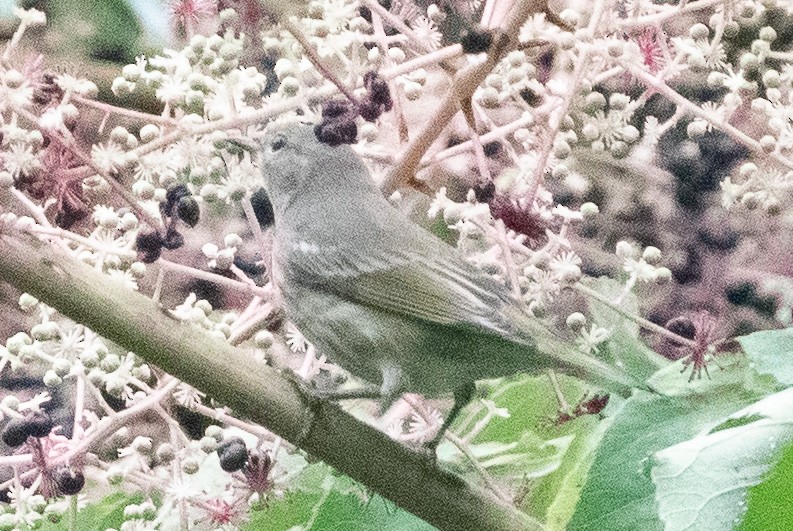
(463, 86)
(252, 389)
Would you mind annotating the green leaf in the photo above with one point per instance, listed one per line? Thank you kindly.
(624, 346)
(528, 458)
(769, 504)
(702, 483)
(572, 475)
(771, 352)
(532, 404)
(333, 510)
(104, 514)
(619, 493)
(725, 371)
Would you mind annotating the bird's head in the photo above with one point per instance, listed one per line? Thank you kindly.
(295, 164)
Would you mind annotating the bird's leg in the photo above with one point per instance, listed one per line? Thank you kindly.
(312, 390)
(462, 395)
(392, 387)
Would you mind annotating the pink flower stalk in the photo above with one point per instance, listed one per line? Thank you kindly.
(188, 13)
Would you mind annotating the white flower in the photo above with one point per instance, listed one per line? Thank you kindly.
(108, 157)
(20, 160)
(52, 119)
(735, 80)
(124, 276)
(173, 91)
(425, 428)
(69, 83)
(26, 504)
(187, 396)
(158, 166)
(640, 269)
(296, 341)
(427, 32)
(589, 340)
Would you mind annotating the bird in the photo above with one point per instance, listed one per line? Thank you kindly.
(387, 300)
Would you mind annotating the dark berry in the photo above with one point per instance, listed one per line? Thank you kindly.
(476, 41)
(492, 149)
(484, 192)
(379, 92)
(233, 454)
(531, 97)
(262, 207)
(68, 481)
(250, 268)
(335, 109)
(336, 133)
(149, 245)
(517, 217)
(682, 326)
(174, 193)
(173, 239)
(15, 432)
(188, 211)
(39, 424)
(740, 294)
(365, 13)
(369, 110)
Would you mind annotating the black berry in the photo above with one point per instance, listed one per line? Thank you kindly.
(68, 481)
(15, 432)
(485, 192)
(149, 244)
(476, 41)
(187, 209)
(173, 239)
(233, 454)
(174, 193)
(262, 207)
(336, 133)
(492, 149)
(40, 424)
(335, 109)
(379, 92)
(369, 110)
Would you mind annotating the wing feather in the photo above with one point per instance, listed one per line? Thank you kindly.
(422, 277)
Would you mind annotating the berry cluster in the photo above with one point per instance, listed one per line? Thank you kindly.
(338, 117)
(17, 431)
(179, 204)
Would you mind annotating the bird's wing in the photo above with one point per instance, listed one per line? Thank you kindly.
(415, 275)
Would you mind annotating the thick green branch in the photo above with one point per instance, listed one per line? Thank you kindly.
(253, 390)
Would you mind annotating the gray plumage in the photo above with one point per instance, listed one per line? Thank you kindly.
(385, 299)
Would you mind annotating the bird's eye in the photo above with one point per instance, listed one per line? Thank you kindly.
(278, 143)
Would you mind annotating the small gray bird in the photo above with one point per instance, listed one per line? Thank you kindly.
(387, 300)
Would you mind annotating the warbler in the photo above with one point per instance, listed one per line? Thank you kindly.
(384, 298)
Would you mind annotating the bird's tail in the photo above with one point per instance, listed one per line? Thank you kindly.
(554, 352)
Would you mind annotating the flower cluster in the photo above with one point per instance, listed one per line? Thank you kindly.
(117, 190)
